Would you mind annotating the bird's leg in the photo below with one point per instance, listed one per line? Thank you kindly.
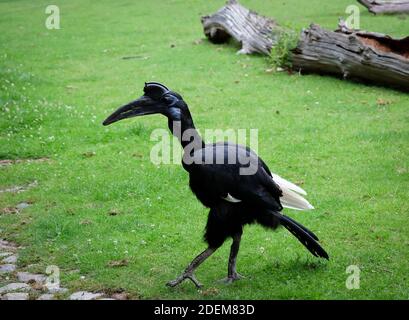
(232, 274)
(188, 273)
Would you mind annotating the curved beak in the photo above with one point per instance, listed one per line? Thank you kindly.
(140, 107)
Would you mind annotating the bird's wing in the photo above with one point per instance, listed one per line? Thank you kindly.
(291, 197)
(226, 179)
(283, 191)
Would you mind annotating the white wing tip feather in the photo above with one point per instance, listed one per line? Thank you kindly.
(291, 197)
(287, 184)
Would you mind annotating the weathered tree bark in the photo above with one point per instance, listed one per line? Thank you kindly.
(353, 54)
(253, 31)
(379, 6)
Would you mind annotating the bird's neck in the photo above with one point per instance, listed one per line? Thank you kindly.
(187, 134)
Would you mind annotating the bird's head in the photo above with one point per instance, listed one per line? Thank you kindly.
(157, 98)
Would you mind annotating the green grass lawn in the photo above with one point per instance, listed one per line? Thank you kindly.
(347, 144)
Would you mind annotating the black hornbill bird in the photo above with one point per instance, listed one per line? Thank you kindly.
(234, 198)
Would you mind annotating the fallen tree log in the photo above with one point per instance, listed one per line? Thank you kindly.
(379, 6)
(353, 54)
(256, 33)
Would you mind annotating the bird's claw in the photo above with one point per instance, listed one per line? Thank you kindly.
(182, 278)
(231, 278)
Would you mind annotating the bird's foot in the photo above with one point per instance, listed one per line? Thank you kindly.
(182, 278)
(231, 278)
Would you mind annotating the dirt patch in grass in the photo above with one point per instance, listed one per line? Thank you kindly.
(9, 162)
(18, 189)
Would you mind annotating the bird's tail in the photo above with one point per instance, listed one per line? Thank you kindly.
(305, 236)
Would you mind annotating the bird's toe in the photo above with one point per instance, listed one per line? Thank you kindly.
(230, 279)
(190, 276)
(172, 283)
(239, 276)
